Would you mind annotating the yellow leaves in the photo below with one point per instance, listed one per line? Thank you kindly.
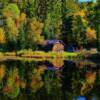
(81, 13)
(2, 36)
(72, 7)
(84, 20)
(12, 27)
(38, 39)
(36, 26)
(23, 84)
(22, 17)
(2, 71)
(91, 34)
(10, 22)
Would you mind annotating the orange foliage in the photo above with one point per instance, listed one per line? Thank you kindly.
(87, 85)
(91, 34)
(17, 22)
(20, 19)
(7, 89)
(7, 13)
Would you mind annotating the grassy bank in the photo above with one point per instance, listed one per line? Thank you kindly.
(39, 54)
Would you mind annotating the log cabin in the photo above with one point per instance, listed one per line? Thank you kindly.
(55, 45)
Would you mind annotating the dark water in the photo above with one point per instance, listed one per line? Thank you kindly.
(56, 79)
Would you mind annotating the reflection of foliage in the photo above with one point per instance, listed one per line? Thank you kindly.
(52, 83)
(81, 86)
(14, 93)
(36, 84)
(87, 85)
(2, 74)
(2, 71)
(12, 86)
(75, 87)
(36, 79)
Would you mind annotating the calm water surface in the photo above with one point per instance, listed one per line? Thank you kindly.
(56, 79)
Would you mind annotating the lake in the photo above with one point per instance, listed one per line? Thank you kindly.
(55, 79)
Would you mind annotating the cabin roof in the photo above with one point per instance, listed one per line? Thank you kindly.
(52, 42)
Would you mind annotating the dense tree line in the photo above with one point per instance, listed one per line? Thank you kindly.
(29, 23)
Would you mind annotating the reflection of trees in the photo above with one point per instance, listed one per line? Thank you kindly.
(33, 79)
(78, 81)
(2, 74)
(83, 86)
(53, 85)
(36, 78)
(84, 63)
(11, 88)
(87, 84)
(2, 71)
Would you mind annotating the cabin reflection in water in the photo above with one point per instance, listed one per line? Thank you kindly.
(55, 64)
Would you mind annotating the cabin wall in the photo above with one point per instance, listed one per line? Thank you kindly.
(54, 47)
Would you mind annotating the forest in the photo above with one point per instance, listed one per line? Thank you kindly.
(28, 24)
(30, 72)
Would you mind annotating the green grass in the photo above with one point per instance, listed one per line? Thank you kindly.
(40, 54)
(30, 53)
